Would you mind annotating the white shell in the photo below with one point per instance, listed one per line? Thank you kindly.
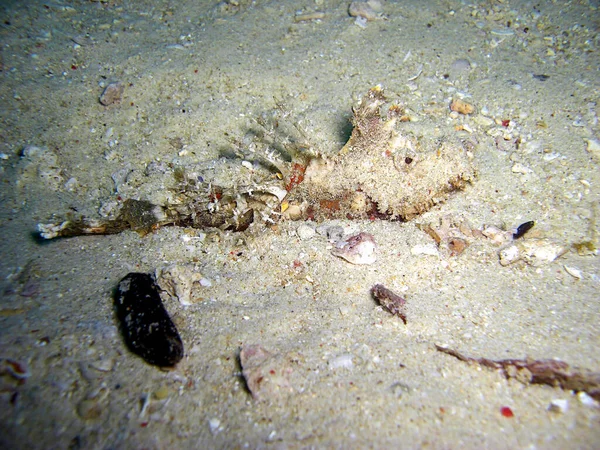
(357, 249)
(536, 252)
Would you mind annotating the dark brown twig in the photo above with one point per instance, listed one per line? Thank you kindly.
(544, 371)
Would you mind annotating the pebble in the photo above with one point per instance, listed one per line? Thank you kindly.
(587, 400)
(341, 362)
(424, 249)
(461, 107)
(593, 147)
(305, 232)
(112, 94)
(147, 328)
(559, 405)
(520, 168)
(460, 65)
(483, 121)
(213, 425)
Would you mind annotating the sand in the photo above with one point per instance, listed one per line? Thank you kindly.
(195, 74)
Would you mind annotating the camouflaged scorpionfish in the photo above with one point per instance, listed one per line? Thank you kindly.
(380, 173)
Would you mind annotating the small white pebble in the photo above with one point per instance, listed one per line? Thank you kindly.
(424, 249)
(520, 168)
(587, 400)
(559, 405)
(214, 425)
(341, 362)
(305, 232)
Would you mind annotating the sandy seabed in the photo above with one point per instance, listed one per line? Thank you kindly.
(195, 75)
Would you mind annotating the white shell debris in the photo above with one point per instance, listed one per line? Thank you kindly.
(536, 252)
(559, 405)
(214, 425)
(178, 281)
(366, 10)
(357, 249)
(305, 232)
(424, 249)
(587, 400)
(341, 362)
(498, 236)
(268, 376)
(574, 272)
(593, 147)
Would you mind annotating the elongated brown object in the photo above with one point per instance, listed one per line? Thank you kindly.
(544, 371)
(147, 328)
(392, 302)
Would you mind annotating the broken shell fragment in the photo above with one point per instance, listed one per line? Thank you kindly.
(365, 10)
(535, 252)
(267, 375)
(178, 281)
(357, 249)
(390, 301)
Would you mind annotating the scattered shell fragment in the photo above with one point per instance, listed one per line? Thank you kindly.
(574, 272)
(268, 376)
(559, 405)
(305, 232)
(461, 107)
(343, 361)
(497, 235)
(450, 235)
(587, 400)
(357, 249)
(366, 10)
(535, 252)
(112, 94)
(593, 147)
(392, 302)
(307, 16)
(521, 168)
(178, 281)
